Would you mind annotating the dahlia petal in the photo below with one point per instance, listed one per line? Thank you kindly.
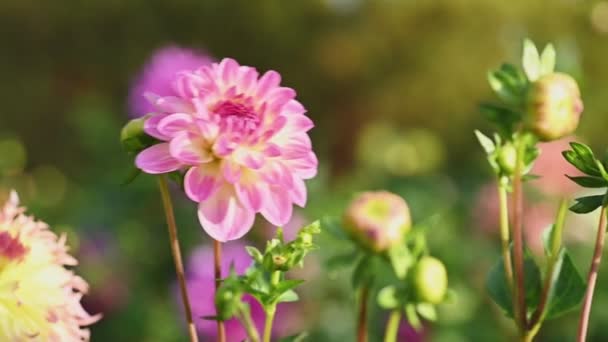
(174, 123)
(229, 68)
(272, 150)
(271, 79)
(183, 148)
(248, 80)
(298, 192)
(223, 147)
(251, 195)
(224, 218)
(280, 96)
(278, 174)
(202, 182)
(293, 107)
(151, 124)
(231, 171)
(172, 104)
(277, 207)
(157, 159)
(305, 168)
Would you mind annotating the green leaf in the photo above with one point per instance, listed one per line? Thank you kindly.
(503, 117)
(584, 152)
(333, 226)
(567, 287)
(587, 204)
(412, 316)
(531, 60)
(133, 137)
(133, 173)
(295, 338)
(255, 254)
(498, 288)
(427, 311)
(361, 274)
(589, 181)
(547, 60)
(486, 143)
(341, 261)
(547, 237)
(388, 298)
(501, 87)
(288, 296)
(401, 259)
(288, 284)
(573, 158)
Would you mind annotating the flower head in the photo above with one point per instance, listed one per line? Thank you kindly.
(39, 297)
(430, 280)
(158, 73)
(377, 220)
(554, 106)
(242, 140)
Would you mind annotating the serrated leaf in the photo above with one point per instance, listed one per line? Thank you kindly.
(584, 152)
(589, 181)
(486, 143)
(531, 60)
(587, 204)
(498, 288)
(567, 287)
(427, 311)
(547, 60)
(387, 298)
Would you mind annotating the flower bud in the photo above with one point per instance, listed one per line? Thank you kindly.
(430, 280)
(377, 220)
(507, 158)
(554, 106)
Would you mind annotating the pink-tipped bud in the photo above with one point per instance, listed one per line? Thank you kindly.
(554, 106)
(377, 220)
(430, 280)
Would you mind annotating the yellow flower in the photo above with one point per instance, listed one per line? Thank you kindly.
(39, 297)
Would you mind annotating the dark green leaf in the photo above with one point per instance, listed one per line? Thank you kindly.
(584, 152)
(133, 137)
(567, 288)
(576, 161)
(587, 204)
(589, 181)
(498, 288)
(501, 116)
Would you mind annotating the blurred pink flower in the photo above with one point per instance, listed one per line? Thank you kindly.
(552, 167)
(243, 140)
(486, 210)
(158, 73)
(200, 282)
(537, 218)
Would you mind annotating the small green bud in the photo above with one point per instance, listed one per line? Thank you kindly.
(430, 280)
(279, 260)
(133, 137)
(507, 158)
(377, 220)
(306, 238)
(554, 106)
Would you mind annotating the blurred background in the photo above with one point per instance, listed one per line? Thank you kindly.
(393, 87)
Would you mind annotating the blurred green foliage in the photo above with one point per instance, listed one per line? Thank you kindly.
(393, 88)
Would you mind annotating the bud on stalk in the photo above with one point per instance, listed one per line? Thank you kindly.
(430, 280)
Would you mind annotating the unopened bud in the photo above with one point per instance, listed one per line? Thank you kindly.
(507, 158)
(430, 280)
(377, 220)
(554, 106)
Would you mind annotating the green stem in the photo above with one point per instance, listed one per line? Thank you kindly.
(245, 318)
(177, 255)
(504, 233)
(592, 277)
(519, 299)
(272, 308)
(392, 327)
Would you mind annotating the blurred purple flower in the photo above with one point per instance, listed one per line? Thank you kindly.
(201, 290)
(157, 75)
(408, 333)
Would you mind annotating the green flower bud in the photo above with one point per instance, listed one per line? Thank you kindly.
(430, 280)
(507, 158)
(554, 106)
(377, 220)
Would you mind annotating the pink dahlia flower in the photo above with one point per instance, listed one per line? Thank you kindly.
(243, 141)
(39, 297)
(158, 73)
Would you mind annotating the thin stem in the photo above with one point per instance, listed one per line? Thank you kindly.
(217, 268)
(592, 278)
(245, 318)
(362, 321)
(271, 309)
(504, 233)
(555, 247)
(392, 327)
(519, 301)
(177, 255)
